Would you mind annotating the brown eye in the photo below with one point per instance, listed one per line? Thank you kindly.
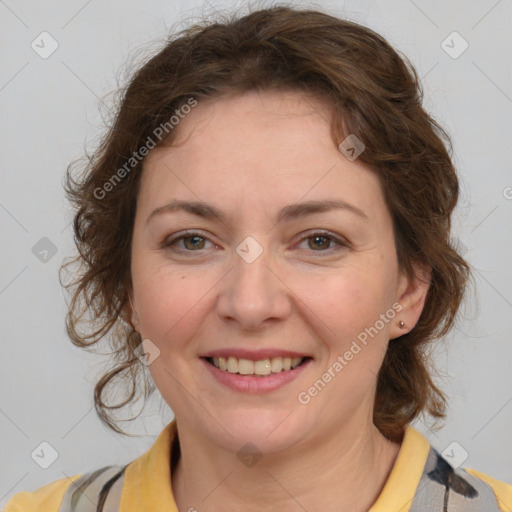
(190, 241)
(324, 242)
(193, 242)
(319, 242)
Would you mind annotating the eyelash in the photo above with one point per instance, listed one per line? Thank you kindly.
(325, 234)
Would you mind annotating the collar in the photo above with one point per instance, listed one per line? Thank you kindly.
(399, 490)
(148, 478)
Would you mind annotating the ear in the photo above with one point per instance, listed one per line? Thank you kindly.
(411, 295)
(131, 313)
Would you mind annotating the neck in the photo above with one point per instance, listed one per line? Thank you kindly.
(344, 470)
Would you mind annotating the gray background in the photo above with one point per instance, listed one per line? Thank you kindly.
(50, 109)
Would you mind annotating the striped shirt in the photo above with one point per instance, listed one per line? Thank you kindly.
(421, 481)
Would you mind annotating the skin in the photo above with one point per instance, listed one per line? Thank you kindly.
(250, 155)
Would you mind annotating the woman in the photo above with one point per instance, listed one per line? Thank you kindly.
(266, 228)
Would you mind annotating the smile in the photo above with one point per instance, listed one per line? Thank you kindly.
(275, 372)
(260, 367)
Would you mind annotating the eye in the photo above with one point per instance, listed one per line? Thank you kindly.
(320, 241)
(192, 241)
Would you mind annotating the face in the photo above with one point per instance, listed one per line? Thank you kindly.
(290, 255)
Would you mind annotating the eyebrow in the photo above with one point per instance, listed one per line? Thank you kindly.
(287, 213)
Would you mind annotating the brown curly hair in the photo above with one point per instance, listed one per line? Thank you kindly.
(374, 93)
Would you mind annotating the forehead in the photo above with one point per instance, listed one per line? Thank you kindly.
(243, 124)
(260, 148)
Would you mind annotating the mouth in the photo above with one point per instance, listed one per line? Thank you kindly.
(258, 368)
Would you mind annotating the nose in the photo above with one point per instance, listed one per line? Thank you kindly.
(253, 295)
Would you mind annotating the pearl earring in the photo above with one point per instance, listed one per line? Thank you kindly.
(401, 324)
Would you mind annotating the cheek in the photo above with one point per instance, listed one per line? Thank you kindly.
(347, 309)
(348, 301)
(167, 303)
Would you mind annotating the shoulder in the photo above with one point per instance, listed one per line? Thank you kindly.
(82, 492)
(464, 489)
(47, 498)
(502, 490)
(106, 488)
(423, 480)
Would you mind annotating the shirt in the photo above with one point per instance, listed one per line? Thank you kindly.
(420, 481)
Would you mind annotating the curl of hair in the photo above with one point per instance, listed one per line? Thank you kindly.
(374, 93)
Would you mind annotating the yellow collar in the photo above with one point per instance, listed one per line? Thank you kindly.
(400, 487)
(148, 479)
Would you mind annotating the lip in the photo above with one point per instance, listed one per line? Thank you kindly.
(253, 355)
(252, 383)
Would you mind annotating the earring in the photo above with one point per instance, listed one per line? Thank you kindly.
(401, 324)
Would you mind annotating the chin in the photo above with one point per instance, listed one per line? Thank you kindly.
(267, 430)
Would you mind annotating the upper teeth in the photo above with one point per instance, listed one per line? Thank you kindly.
(261, 367)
